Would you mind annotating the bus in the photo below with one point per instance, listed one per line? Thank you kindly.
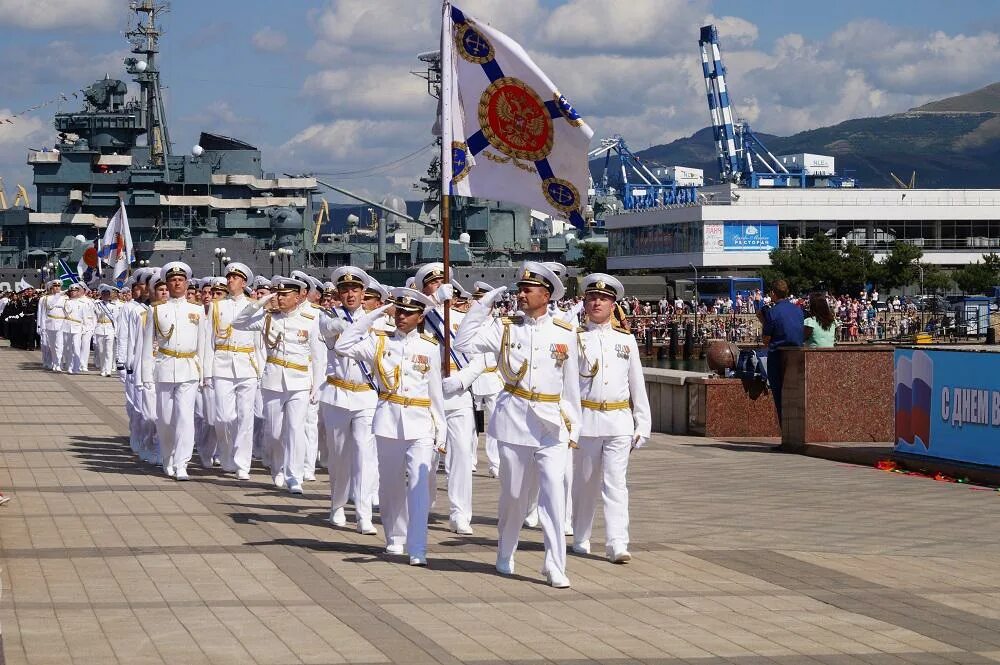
(712, 288)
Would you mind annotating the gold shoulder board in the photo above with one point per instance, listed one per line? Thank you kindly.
(430, 338)
(309, 316)
(562, 324)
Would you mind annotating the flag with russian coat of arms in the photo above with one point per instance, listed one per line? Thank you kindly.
(514, 137)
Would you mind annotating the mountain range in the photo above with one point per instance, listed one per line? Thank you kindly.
(950, 143)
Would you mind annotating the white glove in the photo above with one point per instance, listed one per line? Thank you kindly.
(492, 296)
(445, 292)
(451, 385)
(638, 441)
(147, 385)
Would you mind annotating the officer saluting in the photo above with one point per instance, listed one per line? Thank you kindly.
(175, 329)
(537, 416)
(409, 418)
(294, 369)
(231, 360)
(615, 418)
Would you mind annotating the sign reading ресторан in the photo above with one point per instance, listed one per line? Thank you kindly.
(948, 404)
(736, 236)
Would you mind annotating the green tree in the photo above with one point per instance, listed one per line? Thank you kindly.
(935, 279)
(594, 257)
(979, 277)
(899, 267)
(818, 264)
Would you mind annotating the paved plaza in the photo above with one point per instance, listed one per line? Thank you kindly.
(742, 555)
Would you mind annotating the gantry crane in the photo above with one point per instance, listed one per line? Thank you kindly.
(640, 187)
(743, 158)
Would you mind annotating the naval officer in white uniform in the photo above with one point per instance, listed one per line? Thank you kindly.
(409, 418)
(615, 419)
(294, 370)
(232, 361)
(537, 416)
(174, 338)
(347, 406)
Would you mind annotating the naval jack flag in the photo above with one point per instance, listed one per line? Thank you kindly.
(116, 249)
(513, 136)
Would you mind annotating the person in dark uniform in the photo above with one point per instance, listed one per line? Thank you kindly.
(782, 327)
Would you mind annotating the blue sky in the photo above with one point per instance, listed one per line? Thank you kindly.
(324, 86)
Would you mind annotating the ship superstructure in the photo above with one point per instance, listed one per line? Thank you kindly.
(118, 148)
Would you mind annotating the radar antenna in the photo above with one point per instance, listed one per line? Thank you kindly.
(144, 37)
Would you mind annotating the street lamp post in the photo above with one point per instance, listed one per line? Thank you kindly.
(697, 301)
(271, 256)
(220, 255)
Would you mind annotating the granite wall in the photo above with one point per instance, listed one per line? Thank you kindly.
(721, 408)
(840, 394)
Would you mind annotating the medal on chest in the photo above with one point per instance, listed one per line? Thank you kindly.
(420, 363)
(560, 352)
(194, 317)
(622, 350)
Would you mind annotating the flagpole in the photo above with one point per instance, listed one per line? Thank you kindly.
(445, 204)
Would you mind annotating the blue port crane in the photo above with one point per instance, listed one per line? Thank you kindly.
(743, 158)
(640, 188)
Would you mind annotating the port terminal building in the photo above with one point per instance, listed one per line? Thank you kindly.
(730, 230)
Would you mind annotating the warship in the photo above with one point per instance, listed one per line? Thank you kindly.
(216, 202)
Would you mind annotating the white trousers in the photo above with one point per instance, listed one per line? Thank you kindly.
(132, 409)
(522, 470)
(234, 402)
(56, 348)
(459, 462)
(312, 440)
(142, 424)
(351, 458)
(72, 352)
(284, 413)
(105, 353)
(404, 469)
(175, 422)
(85, 349)
(46, 341)
(600, 468)
(204, 421)
(489, 402)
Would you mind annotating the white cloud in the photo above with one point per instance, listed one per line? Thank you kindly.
(49, 14)
(638, 26)
(26, 132)
(269, 40)
(60, 66)
(373, 91)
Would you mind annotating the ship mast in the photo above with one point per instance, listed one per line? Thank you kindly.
(144, 37)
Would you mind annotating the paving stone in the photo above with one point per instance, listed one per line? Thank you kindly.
(742, 557)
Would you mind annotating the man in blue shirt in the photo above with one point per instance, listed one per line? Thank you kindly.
(782, 327)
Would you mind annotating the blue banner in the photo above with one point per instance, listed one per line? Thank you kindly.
(749, 236)
(948, 404)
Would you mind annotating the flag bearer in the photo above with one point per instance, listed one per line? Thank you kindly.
(615, 419)
(459, 414)
(294, 369)
(409, 419)
(104, 330)
(177, 330)
(231, 360)
(74, 313)
(537, 416)
(347, 402)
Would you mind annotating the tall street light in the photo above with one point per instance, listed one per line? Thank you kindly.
(697, 301)
(220, 253)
